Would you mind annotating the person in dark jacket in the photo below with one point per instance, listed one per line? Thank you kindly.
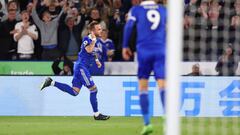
(69, 36)
(227, 63)
(67, 66)
(8, 45)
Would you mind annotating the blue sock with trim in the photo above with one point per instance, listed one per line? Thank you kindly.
(93, 100)
(65, 88)
(144, 103)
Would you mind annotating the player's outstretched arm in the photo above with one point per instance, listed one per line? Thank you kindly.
(126, 52)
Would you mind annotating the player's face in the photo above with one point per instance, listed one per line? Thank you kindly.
(98, 30)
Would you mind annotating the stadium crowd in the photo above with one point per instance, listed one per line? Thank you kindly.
(49, 29)
(210, 26)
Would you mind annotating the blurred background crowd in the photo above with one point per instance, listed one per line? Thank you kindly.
(48, 29)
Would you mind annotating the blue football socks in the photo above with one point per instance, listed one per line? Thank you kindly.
(144, 103)
(93, 100)
(65, 88)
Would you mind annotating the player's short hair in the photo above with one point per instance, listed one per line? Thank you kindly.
(92, 25)
(105, 30)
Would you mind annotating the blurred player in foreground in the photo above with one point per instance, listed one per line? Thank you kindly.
(150, 20)
(81, 75)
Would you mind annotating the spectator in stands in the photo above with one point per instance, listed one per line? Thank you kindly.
(235, 20)
(195, 70)
(67, 66)
(53, 7)
(190, 10)
(104, 10)
(12, 5)
(1, 11)
(216, 29)
(86, 6)
(3, 6)
(76, 15)
(94, 16)
(108, 43)
(203, 9)
(26, 33)
(214, 13)
(48, 29)
(74, 3)
(8, 45)
(234, 30)
(69, 36)
(227, 63)
(117, 22)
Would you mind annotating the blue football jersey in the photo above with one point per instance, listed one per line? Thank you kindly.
(101, 52)
(85, 58)
(108, 44)
(150, 20)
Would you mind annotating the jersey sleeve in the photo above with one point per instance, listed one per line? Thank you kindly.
(132, 14)
(86, 41)
(132, 18)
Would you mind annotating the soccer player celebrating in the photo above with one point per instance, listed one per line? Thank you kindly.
(150, 20)
(81, 73)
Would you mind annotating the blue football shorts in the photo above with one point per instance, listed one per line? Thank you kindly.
(151, 60)
(82, 77)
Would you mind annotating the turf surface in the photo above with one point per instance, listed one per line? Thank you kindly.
(115, 126)
(74, 126)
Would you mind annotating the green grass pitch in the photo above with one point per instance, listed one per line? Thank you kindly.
(74, 126)
(11, 125)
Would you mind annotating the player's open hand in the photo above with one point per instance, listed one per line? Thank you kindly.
(126, 53)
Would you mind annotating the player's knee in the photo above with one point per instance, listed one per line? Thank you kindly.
(143, 84)
(93, 88)
(76, 91)
(161, 84)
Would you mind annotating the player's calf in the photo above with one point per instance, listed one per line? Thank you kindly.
(61, 86)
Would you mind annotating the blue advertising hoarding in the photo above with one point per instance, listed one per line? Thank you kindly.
(118, 96)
